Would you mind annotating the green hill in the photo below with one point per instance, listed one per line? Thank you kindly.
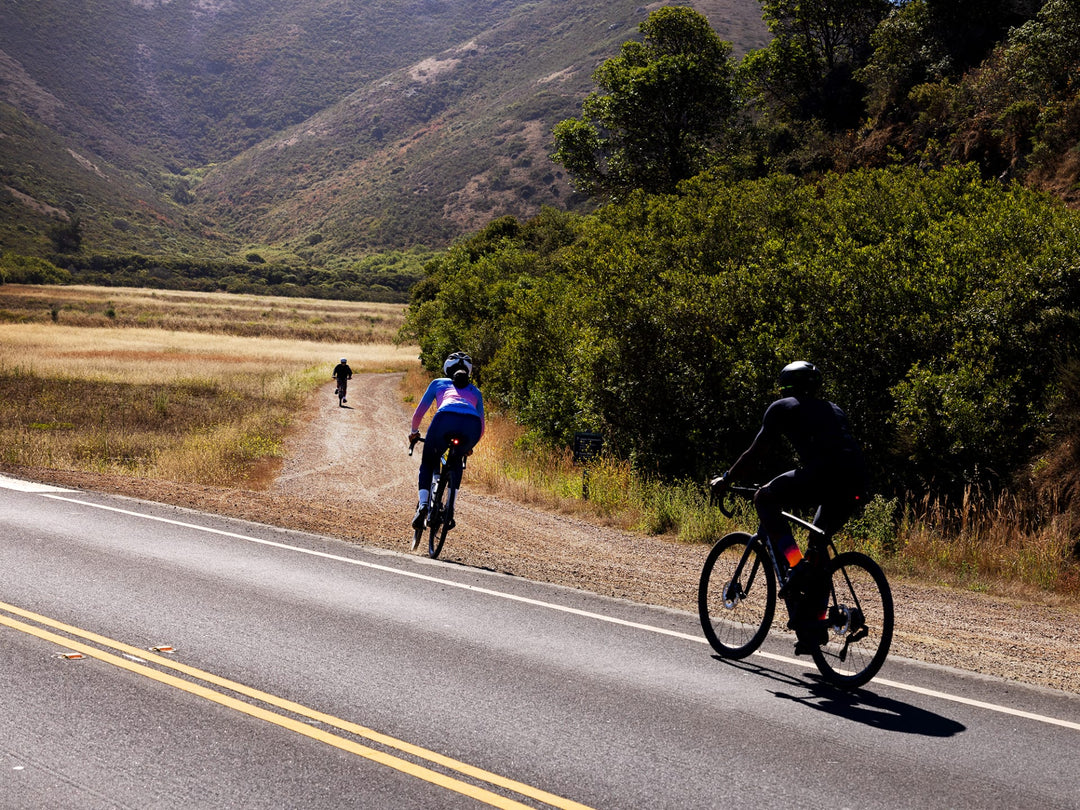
(311, 130)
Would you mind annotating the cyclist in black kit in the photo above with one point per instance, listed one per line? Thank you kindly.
(832, 478)
(342, 374)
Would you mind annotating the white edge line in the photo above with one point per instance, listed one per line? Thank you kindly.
(33, 487)
(561, 608)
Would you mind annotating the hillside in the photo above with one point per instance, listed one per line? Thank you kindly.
(202, 126)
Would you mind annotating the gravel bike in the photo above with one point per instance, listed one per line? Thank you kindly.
(440, 515)
(737, 597)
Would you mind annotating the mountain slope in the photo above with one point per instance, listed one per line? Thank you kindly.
(373, 124)
(439, 147)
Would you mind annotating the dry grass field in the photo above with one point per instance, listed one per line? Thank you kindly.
(217, 313)
(186, 387)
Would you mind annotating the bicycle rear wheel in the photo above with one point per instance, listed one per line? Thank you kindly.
(736, 595)
(860, 621)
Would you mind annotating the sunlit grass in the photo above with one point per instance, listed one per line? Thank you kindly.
(203, 407)
(220, 313)
(155, 355)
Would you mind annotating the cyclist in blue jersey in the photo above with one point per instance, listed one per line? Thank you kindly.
(832, 477)
(459, 409)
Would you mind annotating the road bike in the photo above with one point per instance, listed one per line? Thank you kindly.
(737, 597)
(440, 515)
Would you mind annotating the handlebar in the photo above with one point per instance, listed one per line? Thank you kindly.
(748, 493)
(745, 492)
(455, 440)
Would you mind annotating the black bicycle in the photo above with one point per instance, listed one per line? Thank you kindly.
(440, 515)
(737, 597)
(339, 392)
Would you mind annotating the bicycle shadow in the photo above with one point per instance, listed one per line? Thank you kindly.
(859, 705)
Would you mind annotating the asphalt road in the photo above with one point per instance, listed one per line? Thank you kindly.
(298, 671)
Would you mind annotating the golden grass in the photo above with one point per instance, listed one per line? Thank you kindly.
(183, 405)
(156, 355)
(220, 313)
(980, 543)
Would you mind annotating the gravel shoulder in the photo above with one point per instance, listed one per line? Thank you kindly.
(347, 474)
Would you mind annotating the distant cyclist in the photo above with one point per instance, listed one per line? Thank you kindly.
(342, 373)
(832, 478)
(459, 409)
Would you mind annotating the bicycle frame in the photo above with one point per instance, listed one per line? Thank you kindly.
(781, 575)
(440, 515)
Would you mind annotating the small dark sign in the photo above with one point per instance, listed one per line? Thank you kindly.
(587, 446)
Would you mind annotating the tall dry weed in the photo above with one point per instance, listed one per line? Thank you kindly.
(981, 541)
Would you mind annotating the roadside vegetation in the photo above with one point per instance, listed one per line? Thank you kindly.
(984, 544)
(852, 200)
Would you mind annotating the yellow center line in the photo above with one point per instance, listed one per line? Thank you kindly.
(405, 766)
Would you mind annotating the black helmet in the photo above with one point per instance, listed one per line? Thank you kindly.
(458, 367)
(800, 377)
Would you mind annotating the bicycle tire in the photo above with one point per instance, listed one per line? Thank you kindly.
(736, 605)
(859, 590)
(437, 525)
(437, 538)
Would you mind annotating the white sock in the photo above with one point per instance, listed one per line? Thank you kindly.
(422, 497)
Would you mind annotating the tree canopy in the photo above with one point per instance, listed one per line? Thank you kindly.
(940, 307)
(663, 109)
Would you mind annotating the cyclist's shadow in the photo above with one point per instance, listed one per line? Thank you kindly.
(876, 711)
(860, 705)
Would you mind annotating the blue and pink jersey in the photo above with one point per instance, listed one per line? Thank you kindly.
(447, 397)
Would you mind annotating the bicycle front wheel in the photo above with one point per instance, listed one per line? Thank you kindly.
(860, 621)
(737, 595)
(439, 525)
(437, 537)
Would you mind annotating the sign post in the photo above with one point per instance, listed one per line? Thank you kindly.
(587, 446)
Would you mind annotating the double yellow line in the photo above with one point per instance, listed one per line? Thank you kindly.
(398, 763)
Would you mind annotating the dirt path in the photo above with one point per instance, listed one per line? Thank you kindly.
(347, 474)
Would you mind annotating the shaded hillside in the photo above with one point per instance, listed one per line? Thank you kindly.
(437, 148)
(372, 125)
(47, 179)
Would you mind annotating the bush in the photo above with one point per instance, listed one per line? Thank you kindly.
(30, 270)
(939, 306)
